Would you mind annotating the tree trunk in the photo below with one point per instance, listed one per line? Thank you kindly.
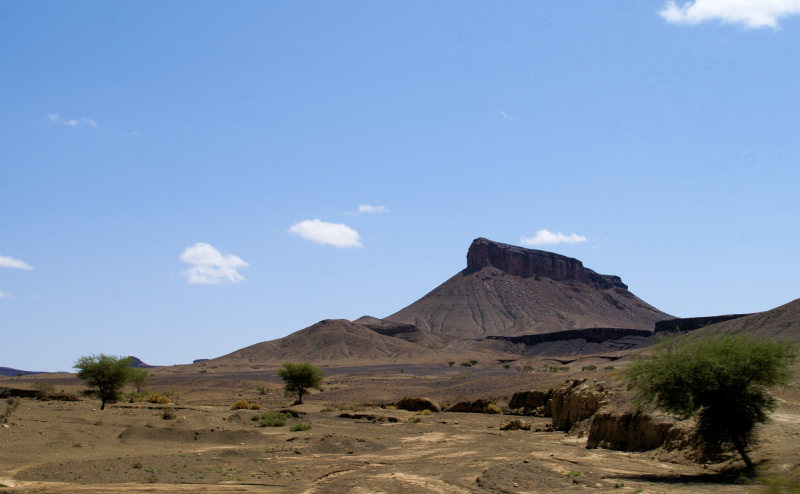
(299, 397)
(102, 404)
(740, 448)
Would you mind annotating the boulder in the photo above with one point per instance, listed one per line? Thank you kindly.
(514, 425)
(417, 404)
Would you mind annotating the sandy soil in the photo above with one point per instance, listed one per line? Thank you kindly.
(71, 447)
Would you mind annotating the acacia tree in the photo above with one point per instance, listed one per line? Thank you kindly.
(105, 374)
(138, 378)
(721, 379)
(298, 379)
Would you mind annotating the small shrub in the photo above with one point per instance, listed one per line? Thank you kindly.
(240, 405)
(492, 408)
(262, 390)
(424, 412)
(76, 444)
(203, 371)
(168, 415)
(619, 485)
(44, 390)
(574, 473)
(138, 464)
(300, 427)
(391, 407)
(274, 419)
(11, 406)
(465, 364)
(255, 406)
(589, 367)
(473, 362)
(255, 418)
(451, 363)
(506, 366)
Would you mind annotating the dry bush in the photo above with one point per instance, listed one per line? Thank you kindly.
(240, 405)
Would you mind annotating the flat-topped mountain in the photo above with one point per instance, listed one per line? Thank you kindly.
(507, 290)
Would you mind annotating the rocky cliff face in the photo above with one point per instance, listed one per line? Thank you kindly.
(525, 263)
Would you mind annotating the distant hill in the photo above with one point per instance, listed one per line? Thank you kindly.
(327, 341)
(137, 362)
(9, 372)
(507, 290)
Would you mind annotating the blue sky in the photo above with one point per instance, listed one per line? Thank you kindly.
(182, 179)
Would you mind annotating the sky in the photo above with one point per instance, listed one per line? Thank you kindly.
(182, 179)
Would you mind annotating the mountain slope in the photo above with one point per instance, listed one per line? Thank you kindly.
(510, 291)
(779, 323)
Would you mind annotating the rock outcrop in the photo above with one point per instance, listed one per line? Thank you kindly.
(418, 404)
(478, 406)
(531, 403)
(518, 261)
(574, 401)
(635, 431)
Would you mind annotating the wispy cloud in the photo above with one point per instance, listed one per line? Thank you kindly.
(546, 237)
(751, 13)
(210, 266)
(5, 295)
(369, 208)
(504, 115)
(321, 232)
(71, 122)
(10, 262)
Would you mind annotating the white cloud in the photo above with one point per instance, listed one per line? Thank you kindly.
(504, 115)
(10, 262)
(210, 266)
(71, 122)
(321, 232)
(751, 13)
(546, 237)
(5, 295)
(369, 208)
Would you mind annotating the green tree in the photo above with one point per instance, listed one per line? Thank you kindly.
(139, 377)
(105, 374)
(298, 379)
(721, 379)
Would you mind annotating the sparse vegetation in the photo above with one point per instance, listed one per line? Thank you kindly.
(11, 406)
(105, 375)
(554, 368)
(589, 368)
(506, 366)
(298, 379)
(526, 369)
(608, 367)
(574, 473)
(473, 361)
(300, 427)
(492, 408)
(723, 380)
(451, 363)
(465, 364)
(139, 378)
(262, 390)
(424, 412)
(44, 390)
(274, 418)
(168, 415)
(240, 405)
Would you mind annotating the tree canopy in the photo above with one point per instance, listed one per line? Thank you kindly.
(298, 379)
(106, 374)
(723, 379)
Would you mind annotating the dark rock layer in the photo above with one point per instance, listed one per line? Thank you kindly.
(518, 261)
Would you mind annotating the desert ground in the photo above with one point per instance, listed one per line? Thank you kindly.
(357, 442)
